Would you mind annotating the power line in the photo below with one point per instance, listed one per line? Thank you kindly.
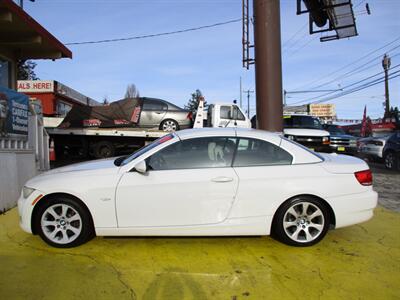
(350, 85)
(285, 44)
(359, 88)
(349, 64)
(301, 47)
(155, 34)
(354, 71)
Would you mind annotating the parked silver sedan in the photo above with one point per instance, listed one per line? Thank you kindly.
(164, 115)
(372, 147)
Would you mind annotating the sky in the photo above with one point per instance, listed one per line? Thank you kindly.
(172, 67)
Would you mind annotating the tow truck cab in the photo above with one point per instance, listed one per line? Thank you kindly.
(226, 115)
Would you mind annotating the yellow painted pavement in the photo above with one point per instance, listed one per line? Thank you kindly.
(358, 262)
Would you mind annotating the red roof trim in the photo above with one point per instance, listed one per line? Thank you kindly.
(9, 4)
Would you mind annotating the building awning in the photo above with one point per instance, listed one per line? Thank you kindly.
(25, 37)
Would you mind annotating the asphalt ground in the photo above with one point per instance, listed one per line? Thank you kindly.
(357, 262)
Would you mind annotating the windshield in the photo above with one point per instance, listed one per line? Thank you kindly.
(301, 122)
(335, 130)
(146, 148)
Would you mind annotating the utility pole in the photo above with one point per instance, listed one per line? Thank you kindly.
(386, 66)
(240, 93)
(248, 101)
(268, 64)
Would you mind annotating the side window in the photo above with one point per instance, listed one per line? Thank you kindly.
(210, 152)
(237, 114)
(225, 112)
(252, 152)
(154, 105)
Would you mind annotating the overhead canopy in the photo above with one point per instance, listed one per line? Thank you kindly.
(25, 37)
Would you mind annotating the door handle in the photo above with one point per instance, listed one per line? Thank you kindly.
(222, 179)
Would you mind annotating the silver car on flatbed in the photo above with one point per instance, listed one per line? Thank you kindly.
(164, 115)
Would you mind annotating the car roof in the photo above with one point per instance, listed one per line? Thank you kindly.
(231, 131)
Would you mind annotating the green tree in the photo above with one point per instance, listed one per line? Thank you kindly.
(193, 102)
(26, 70)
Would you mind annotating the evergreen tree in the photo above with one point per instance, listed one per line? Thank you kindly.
(193, 102)
(25, 70)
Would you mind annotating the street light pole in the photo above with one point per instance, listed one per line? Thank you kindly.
(386, 66)
(268, 64)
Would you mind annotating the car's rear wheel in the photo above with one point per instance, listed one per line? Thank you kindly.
(302, 221)
(390, 160)
(63, 222)
(169, 125)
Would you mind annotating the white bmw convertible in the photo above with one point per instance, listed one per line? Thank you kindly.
(202, 182)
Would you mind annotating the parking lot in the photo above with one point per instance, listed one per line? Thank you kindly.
(357, 262)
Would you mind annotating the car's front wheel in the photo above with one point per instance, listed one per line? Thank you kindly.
(63, 222)
(301, 221)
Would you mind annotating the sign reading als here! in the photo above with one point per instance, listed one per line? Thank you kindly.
(13, 112)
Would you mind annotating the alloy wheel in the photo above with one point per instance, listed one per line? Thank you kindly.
(61, 223)
(389, 160)
(303, 222)
(169, 125)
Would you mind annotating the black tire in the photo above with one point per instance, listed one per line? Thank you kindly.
(104, 149)
(390, 160)
(85, 224)
(169, 125)
(296, 229)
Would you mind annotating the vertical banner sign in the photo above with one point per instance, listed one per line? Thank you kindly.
(13, 112)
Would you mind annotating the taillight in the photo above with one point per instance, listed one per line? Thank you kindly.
(364, 177)
(189, 116)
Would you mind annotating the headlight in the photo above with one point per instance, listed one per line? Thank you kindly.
(26, 191)
(325, 140)
(290, 137)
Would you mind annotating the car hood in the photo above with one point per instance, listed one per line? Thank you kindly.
(74, 171)
(89, 165)
(305, 132)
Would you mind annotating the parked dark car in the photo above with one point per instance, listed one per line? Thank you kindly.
(164, 115)
(391, 152)
(340, 141)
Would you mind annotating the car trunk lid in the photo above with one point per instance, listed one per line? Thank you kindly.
(342, 164)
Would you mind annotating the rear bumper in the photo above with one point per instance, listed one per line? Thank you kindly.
(353, 209)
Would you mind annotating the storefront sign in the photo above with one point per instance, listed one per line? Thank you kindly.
(35, 86)
(13, 112)
(323, 110)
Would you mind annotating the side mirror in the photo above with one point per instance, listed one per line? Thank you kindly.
(141, 167)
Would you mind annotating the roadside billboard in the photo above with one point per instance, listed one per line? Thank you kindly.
(323, 110)
(35, 86)
(13, 112)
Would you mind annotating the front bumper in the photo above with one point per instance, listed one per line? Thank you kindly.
(25, 209)
(344, 149)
